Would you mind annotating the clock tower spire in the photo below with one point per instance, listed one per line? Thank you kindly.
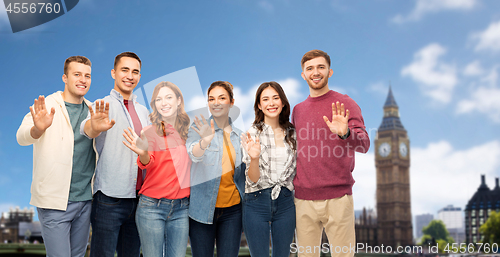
(392, 161)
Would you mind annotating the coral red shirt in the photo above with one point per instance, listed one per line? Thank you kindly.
(167, 173)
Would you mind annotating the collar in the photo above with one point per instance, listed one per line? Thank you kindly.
(217, 127)
(59, 99)
(119, 97)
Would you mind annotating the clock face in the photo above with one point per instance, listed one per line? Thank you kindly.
(384, 149)
(403, 149)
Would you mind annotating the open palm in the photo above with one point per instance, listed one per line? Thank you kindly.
(137, 144)
(252, 147)
(340, 119)
(100, 119)
(205, 131)
(42, 119)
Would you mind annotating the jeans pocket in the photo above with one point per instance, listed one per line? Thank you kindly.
(146, 202)
(185, 203)
(250, 197)
(286, 192)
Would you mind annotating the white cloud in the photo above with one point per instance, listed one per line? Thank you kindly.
(197, 102)
(489, 39)
(483, 97)
(292, 90)
(244, 101)
(436, 78)
(473, 69)
(492, 77)
(484, 100)
(436, 172)
(366, 181)
(423, 7)
(379, 87)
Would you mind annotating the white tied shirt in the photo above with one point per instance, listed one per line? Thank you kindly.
(274, 172)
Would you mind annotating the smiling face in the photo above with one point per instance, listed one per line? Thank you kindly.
(167, 103)
(316, 72)
(77, 82)
(219, 102)
(126, 74)
(270, 103)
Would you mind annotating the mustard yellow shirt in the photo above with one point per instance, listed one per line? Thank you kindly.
(228, 193)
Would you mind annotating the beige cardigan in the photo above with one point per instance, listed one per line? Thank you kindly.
(52, 156)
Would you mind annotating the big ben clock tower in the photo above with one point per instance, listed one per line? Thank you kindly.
(392, 160)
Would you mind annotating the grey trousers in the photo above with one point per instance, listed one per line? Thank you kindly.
(66, 233)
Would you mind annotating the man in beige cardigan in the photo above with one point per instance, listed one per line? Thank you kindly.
(63, 161)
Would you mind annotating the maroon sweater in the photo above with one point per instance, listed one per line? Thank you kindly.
(325, 161)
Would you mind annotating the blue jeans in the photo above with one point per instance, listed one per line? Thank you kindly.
(225, 232)
(262, 215)
(113, 227)
(66, 233)
(163, 226)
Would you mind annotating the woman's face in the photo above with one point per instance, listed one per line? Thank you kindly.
(270, 103)
(167, 103)
(218, 102)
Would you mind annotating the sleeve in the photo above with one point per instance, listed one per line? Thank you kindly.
(246, 160)
(151, 161)
(82, 125)
(192, 140)
(23, 135)
(358, 136)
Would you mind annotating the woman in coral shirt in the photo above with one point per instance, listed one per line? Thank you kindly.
(162, 214)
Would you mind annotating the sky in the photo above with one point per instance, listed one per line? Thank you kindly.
(440, 57)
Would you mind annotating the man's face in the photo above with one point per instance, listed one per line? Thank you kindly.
(77, 81)
(316, 72)
(126, 74)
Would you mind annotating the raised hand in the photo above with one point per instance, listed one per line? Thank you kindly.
(340, 118)
(137, 144)
(99, 120)
(252, 147)
(205, 131)
(42, 119)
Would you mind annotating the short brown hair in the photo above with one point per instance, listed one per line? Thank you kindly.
(78, 59)
(314, 54)
(127, 54)
(224, 84)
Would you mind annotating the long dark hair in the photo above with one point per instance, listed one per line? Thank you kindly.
(182, 119)
(284, 117)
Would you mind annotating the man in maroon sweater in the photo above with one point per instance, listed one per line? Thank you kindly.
(325, 161)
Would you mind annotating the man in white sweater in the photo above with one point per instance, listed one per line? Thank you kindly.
(63, 161)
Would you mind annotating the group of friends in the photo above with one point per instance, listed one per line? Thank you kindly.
(151, 181)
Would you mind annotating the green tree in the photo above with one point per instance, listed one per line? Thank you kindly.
(437, 230)
(491, 228)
